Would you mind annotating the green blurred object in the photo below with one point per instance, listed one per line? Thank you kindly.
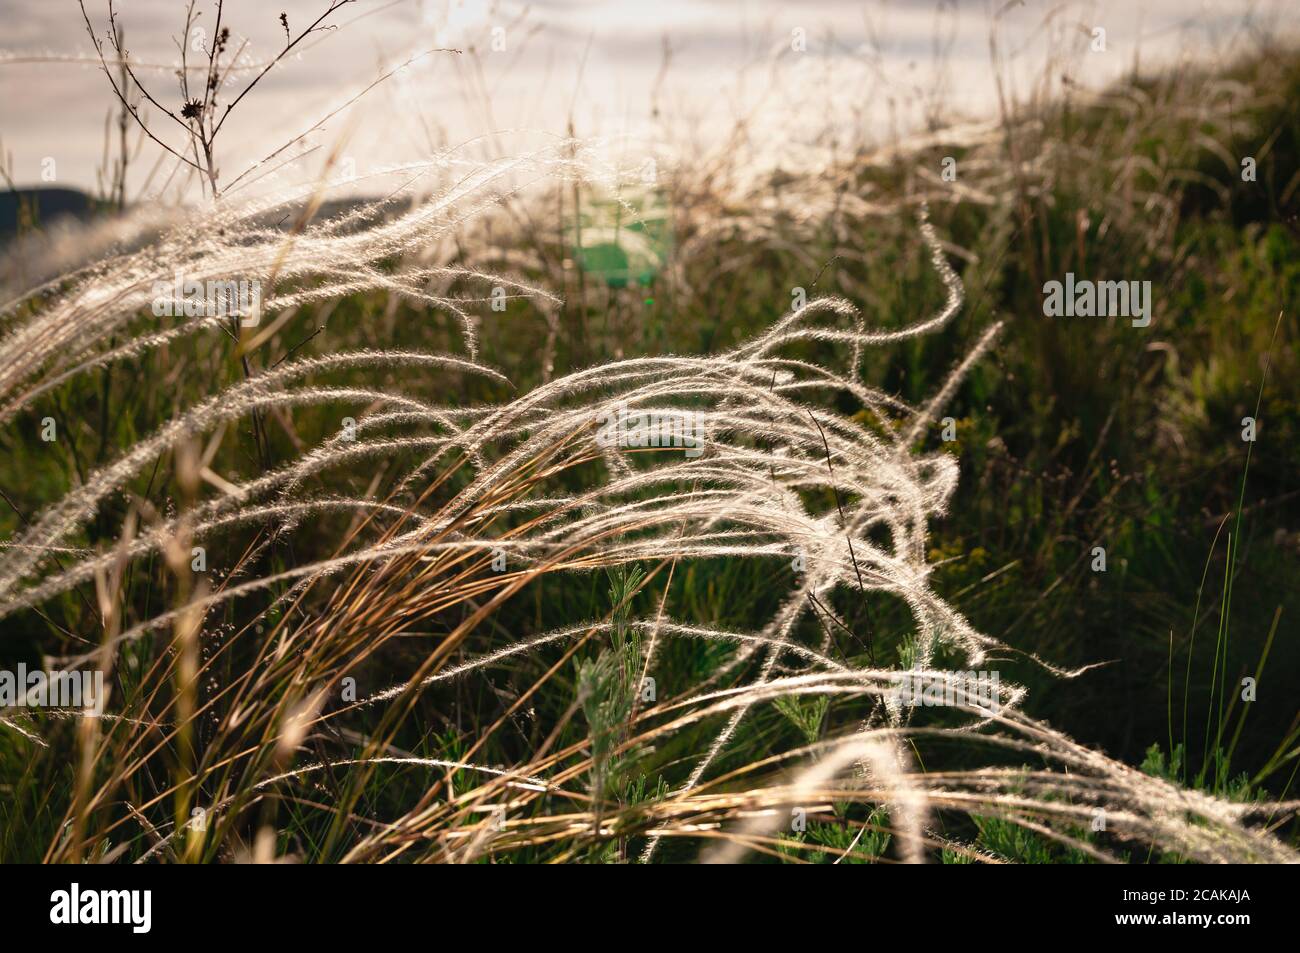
(623, 240)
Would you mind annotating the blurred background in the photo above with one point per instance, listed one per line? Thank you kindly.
(798, 75)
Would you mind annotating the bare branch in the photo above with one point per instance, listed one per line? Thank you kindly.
(334, 5)
(99, 49)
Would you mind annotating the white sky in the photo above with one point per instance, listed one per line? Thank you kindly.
(868, 71)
